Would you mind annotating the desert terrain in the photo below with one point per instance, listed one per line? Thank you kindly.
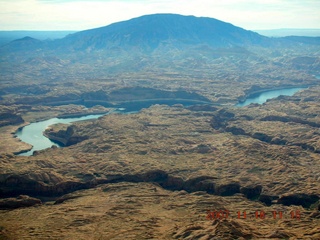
(203, 170)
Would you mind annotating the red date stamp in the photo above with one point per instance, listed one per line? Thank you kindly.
(258, 214)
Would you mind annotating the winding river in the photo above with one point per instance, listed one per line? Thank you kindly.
(33, 133)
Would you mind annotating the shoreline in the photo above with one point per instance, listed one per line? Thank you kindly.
(22, 151)
(114, 104)
(76, 115)
(60, 141)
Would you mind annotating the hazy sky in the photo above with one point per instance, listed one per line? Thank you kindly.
(85, 14)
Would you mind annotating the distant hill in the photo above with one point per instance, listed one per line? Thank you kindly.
(8, 36)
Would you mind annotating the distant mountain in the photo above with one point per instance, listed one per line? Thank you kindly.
(161, 44)
(305, 40)
(8, 36)
(26, 41)
(24, 44)
(160, 32)
(150, 31)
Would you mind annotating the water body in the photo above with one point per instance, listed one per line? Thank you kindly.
(33, 133)
(262, 97)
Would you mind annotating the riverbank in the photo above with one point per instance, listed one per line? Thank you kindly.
(61, 141)
(9, 143)
(78, 115)
(135, 105)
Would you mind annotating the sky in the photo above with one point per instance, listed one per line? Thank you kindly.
(86, 14)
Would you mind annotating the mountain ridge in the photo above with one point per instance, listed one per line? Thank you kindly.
(152, 30)
(153, 43)
(149, 32)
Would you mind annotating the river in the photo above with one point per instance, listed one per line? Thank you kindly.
(262, 97)
(33, 133)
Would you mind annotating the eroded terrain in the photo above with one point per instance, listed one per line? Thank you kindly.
(154, 174)
(164, 172)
